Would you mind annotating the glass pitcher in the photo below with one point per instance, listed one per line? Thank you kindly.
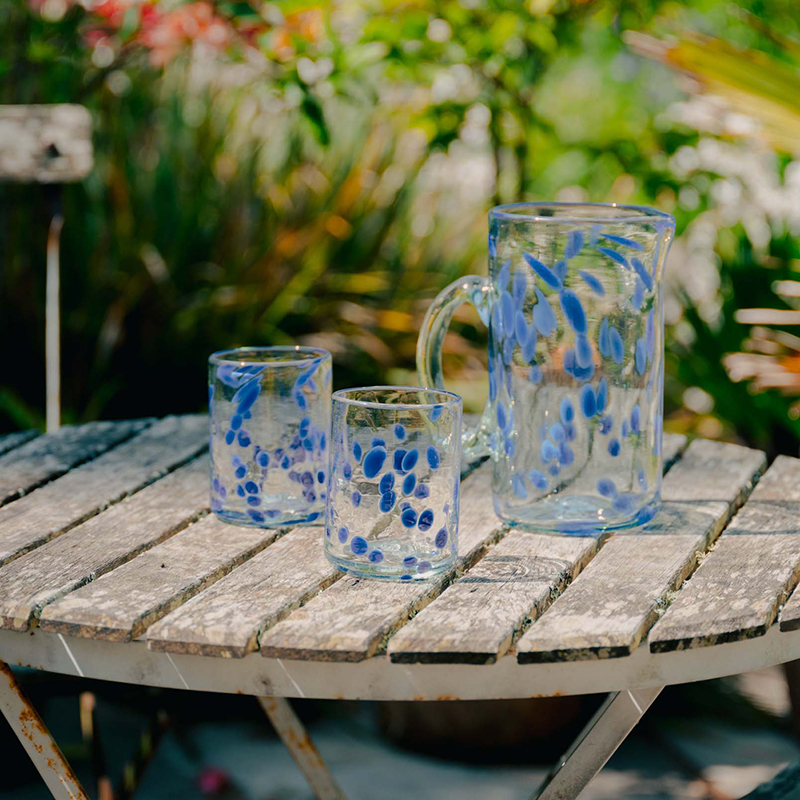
(573, 303)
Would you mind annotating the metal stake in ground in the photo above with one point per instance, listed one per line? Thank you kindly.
(51, 145)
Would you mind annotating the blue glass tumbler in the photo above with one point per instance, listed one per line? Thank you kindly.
(395, 466)
(269, 412)
(573, 303)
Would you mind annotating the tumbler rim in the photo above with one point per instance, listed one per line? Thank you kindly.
(339, 396)
(305, 355)
(633, 213)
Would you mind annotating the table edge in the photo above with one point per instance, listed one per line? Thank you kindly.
(377, 678)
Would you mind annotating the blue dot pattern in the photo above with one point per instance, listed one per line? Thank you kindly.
(359, 545)
(588, 401)
(373, 462)
(538, 479)
(641, 356)
(575, 240)
(543, 316)
(543, 271)
(386, 483)
(615, 256)
(583, 351)
(425, 520)
(409, 517)
(616, 346)
(410, 460)
(549, 452)
(387, 501)
(606, 487)
(573, 310)
(593, 283)
(625, 242)
(643, 274)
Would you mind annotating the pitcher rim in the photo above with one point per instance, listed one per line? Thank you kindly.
(635, 214)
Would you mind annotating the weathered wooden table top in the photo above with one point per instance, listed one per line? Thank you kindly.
(105, 534)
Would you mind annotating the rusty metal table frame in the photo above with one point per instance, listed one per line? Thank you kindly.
(633, 683)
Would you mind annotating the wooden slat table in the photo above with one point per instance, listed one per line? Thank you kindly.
(111, 567)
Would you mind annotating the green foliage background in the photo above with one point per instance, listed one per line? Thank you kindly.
(277, 209)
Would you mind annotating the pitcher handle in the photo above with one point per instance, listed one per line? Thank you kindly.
(470, 289)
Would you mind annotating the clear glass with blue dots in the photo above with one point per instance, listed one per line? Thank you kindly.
(574, 307)
(269, 412)
(393, 483)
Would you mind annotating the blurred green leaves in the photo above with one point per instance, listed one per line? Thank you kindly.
(762, 85)
(758, 85)
(316, 119)
(322, 180)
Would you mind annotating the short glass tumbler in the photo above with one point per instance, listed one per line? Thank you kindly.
(269, 412)
(574, 307)
(395, 466)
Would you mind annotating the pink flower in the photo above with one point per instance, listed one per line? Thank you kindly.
(112, 11)
(165, 35)
(213, 781)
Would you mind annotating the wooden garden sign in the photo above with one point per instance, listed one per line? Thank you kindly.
(45, 144)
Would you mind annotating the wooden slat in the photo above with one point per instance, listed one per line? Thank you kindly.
(8, 441)
(610, 607)
(352, 620)
(355, 618)
(737, 590)
(60, 505)
(50, 456)
(45, 143)
(477, 619)
(119, 605)
(227, 618)
(101, 543)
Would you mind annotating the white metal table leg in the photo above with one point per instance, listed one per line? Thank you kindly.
(36, 739)
(597, 742)
(296, 739)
